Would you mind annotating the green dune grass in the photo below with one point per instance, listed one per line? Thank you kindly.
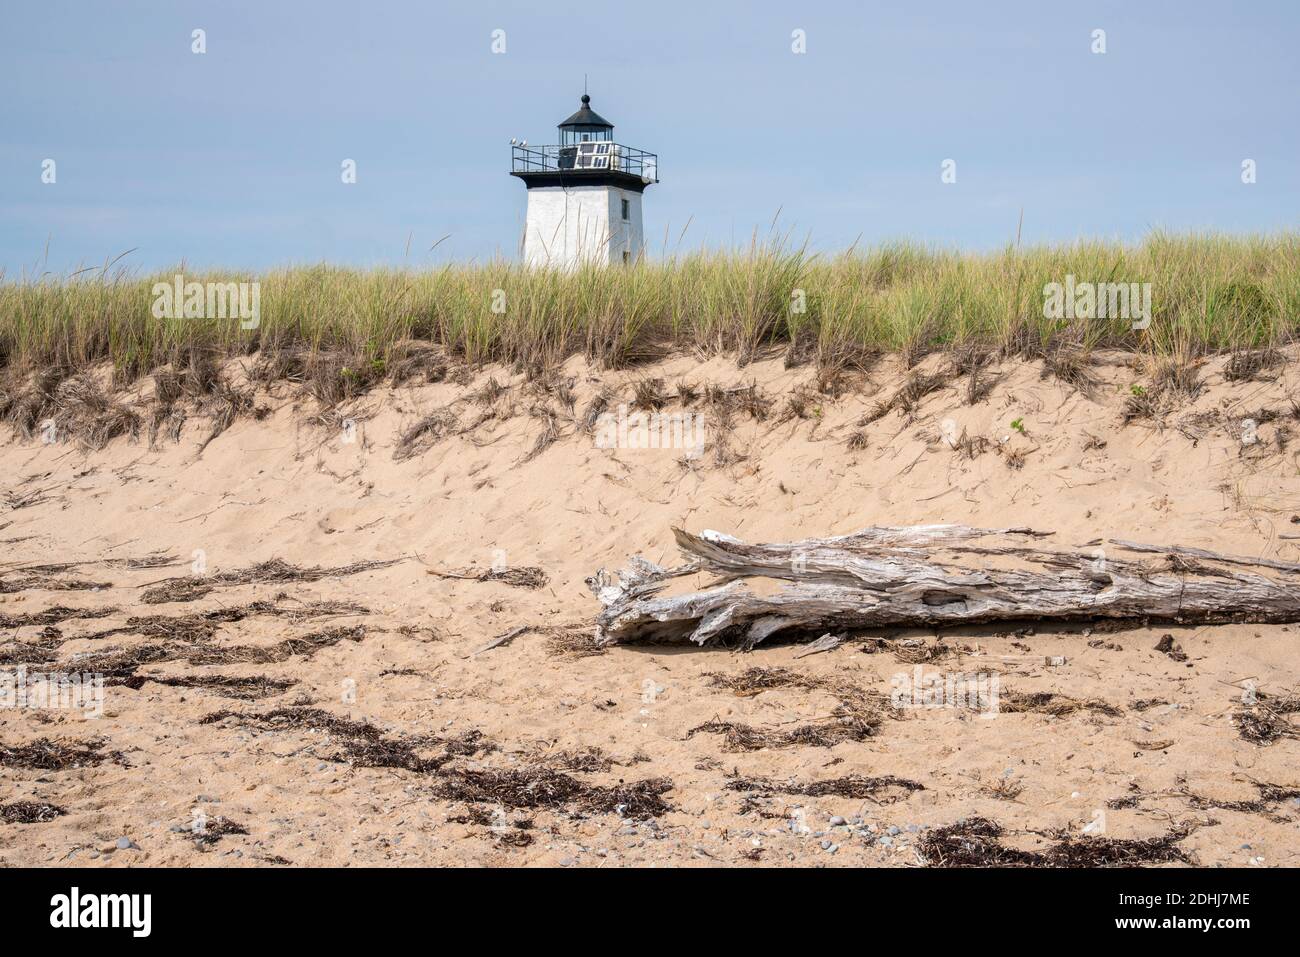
(1208, 294)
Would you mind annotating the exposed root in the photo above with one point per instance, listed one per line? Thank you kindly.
(90, 416)
(425, 434)
(549, 436)
(1070, 365)
(909, 396)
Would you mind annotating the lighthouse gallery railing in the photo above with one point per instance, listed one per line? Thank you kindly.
(588, 156)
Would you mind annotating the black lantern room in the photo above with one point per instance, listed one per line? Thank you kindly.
(586, 126)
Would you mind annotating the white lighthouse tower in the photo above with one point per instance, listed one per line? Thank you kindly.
(584, 194)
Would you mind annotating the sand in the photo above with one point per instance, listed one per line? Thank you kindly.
(288, 486)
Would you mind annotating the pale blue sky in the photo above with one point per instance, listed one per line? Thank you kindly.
(232, 158)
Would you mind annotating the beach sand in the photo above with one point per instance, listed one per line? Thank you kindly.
(557, 725)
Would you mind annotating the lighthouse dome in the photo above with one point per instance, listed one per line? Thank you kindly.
(586, 124)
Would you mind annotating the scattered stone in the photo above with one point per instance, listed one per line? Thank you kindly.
(1167, 646)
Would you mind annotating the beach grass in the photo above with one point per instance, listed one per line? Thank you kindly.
(1209, 294)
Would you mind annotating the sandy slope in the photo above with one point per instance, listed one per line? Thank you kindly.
(288, 488)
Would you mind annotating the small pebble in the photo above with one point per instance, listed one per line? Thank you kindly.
(837, 821)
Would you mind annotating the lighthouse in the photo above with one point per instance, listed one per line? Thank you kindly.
(584, 194)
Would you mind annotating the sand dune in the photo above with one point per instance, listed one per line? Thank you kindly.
(544, 750)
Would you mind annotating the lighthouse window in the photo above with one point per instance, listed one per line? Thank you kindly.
(627, 208)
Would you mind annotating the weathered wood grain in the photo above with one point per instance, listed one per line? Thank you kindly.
(927, 575)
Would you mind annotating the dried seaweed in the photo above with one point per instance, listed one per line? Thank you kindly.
(573, 642)
(885, 789)
(526, 576)
(228, 686)
(533, 786)
(539, 787)
(119, 667)
(976, 842)
(214, 830)
(45, 754)
(847, 724)
(29, 812)
(1268, 720)
(1048, 702)
(53, 616)
(9, 586)
(273, 571)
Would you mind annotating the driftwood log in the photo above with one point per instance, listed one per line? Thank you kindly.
(931, 575)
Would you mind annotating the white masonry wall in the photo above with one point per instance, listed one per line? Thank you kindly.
(567, 226)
